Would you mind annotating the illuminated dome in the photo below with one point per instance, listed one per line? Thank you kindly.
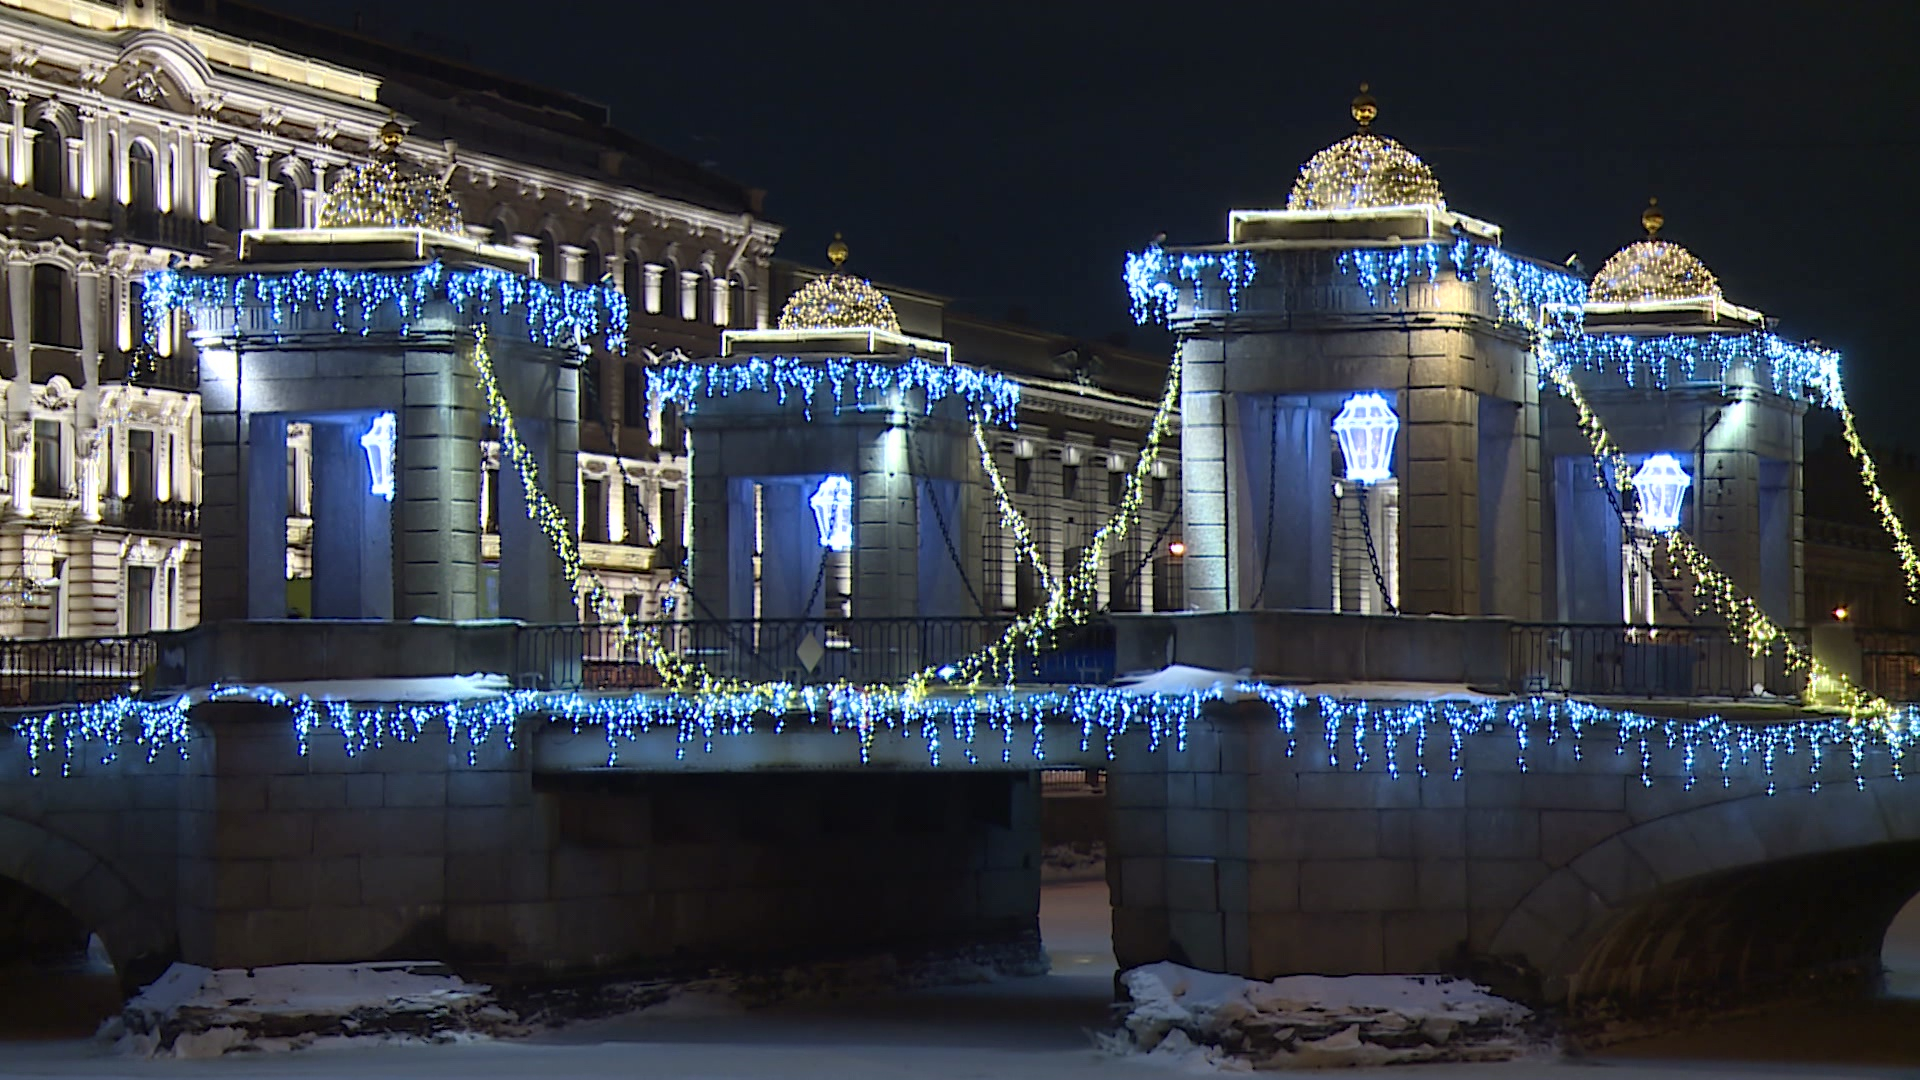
(390, 192)
(1364, 171)
(1652, 270)
(839, 301)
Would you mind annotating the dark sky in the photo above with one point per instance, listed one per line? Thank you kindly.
(1008, 155)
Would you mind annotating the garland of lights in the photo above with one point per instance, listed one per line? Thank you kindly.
(1791, 369)
(1011, 519)
(991, 396)
(556, 315)
(986, 726)
(1151, 278)
(1071, 600)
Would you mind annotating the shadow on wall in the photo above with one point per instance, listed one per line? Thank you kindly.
(1754, 931)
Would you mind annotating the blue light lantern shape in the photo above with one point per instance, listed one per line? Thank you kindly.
(1366, 427)
(832, 504)
(1662, 485)
(378, 442)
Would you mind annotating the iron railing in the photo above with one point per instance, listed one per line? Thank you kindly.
(801, 651)
(181, 371)
(1639, 661)
(161, 518)
(56, 671)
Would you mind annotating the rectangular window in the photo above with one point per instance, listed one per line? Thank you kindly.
(1069, 481)
(668, 522)
(673, 434)
(1116, 486)
(140, 463)
(593, 511)
(1169, 584)
(639, 530)
(139, 599)
(1022, 475)
(1123, 584)
(49, 464)
(49, 295)
(1159, 493)
(492, 519)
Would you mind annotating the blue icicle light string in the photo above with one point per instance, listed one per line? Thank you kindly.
(993, 398)
(988, 727)
(557, 315)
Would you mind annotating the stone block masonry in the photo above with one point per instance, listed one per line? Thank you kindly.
(1568, 879)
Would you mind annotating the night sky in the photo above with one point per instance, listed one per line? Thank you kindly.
(1007, 156)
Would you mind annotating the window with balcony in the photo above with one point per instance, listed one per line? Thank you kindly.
(143, 187)
(228, 195)
(639, 528)
(49, 459)
(286, 202)
(140, 467)
(49, 159)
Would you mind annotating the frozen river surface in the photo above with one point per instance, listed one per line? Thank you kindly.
(1013, 1029)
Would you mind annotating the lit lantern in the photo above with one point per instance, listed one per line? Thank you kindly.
(1662, 485)
(832, 504)
(378, 442)
(1366, 427)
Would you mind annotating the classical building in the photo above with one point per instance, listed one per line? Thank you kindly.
(144, 133)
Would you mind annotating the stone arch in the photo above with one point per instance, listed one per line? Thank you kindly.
(183, 65)
(139, 943)
(57, 113)
(1729, 897)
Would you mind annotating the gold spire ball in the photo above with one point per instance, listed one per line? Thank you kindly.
(1652, 270)
(839, 301)
(1364, 171)
(390, 192)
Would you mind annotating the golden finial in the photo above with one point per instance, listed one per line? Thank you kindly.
(1365, 109)
(392, 134)
(837, 252)
(1651, 219)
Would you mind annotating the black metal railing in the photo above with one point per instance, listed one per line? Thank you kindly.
(59, 671)
(802, 651)
(146, 516)
(1638, 661)
(1890, 663)
(181, 371)
(146, 225)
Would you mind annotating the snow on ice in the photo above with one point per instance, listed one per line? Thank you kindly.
(1179, 1014)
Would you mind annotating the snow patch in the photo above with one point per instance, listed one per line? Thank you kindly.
(428, 688)
(1310, 1021)
(1185, 679)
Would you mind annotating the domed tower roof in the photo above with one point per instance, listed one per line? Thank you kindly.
(839, 301)
(1364, 171)
(1652, 270)
(390, 192)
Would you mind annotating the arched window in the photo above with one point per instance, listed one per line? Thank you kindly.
(498, 233)
(593, 265)
(742, 302)
(49, 159)
(227, 194)
(50, 306)
(286, 203)
(633, 395)
(550, 257)
(143, 188)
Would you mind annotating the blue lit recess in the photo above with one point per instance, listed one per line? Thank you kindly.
(556, 315)
(992, 398)
(988, 726)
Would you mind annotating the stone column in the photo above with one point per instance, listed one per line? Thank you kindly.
(1204, 436)
(885, 540)
(263, 520)
(1440, 503)
(17, 145)
(437, 544)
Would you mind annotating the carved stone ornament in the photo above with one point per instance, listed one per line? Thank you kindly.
(143, 85)
(56, 395)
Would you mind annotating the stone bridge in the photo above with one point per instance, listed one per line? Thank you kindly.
(1574, 870)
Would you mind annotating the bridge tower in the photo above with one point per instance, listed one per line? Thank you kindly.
(1663, 361)
(365, 330)
(1352, 290)
(835, 480)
